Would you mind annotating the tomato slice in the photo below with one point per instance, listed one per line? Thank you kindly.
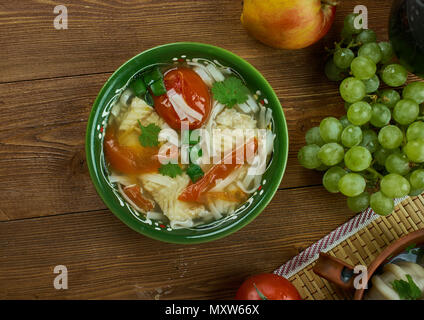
(267, 286)
(129, 160)
(133, 192)
(195, 92)
(195, 191)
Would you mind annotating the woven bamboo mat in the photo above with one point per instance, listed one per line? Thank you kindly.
(362, 247)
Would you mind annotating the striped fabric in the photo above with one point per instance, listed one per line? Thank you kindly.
(327, 243)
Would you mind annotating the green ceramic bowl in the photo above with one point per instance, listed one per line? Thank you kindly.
(157, 230)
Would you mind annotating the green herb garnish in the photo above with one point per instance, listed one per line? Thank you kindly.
(149, 135)
(231, 91)
(194, 172)
(407, 290)
(410, 247)
(170, 169)
(259, 292)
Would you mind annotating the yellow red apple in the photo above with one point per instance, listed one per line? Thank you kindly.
(288, 24)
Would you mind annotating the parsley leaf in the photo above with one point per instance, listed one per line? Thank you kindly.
(410, 247)
(231, 91)
(149, 135)
(170, 169)
(407, 290)
(194, 172)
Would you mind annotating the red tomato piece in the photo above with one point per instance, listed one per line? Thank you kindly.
(267, 286)
(134, 193)
(195, 92)
(129, 160)
(195, 191)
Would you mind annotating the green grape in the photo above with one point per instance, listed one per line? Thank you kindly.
(371, 84)
(308, 156)
(370, 140)
(359, 113)
(359, 203)
(358, 158)
(363, 67)
(314, 137)
(343, 58)
(395, 186)
(381, 115)
(394, 75)
(382, 154)
(331, 179)
(366, 36)
(386, 51)
(414, 91)
(352, 184)
(346, 36)
(346, 106)
(352, 90)
(351, 136)
(406, 111)
(322, 168)
(381, 204)
(330, 129)
(371, 50)
(414, 150)
(349, 24)
(389, 97)
(417, 179)
(398, 163)
(344, 121)
(331, 154)
(390, 137)
(332, 72)
(415, 131)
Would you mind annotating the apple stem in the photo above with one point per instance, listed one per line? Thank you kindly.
(330, 2)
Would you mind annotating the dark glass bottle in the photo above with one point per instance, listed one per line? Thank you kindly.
(406, 31)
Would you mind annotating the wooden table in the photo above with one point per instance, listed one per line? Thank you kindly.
(50, 213)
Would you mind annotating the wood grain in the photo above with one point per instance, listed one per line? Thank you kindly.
(101, 35)
(105, 259)
(50, 213)
(42, 159)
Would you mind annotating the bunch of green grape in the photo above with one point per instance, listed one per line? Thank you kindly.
(375, 153)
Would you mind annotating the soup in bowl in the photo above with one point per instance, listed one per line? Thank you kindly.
(186, 143)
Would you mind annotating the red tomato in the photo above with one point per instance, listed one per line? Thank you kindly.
(194, 91)
(134, 193)
(195, 191)
(267, 286)
(129, 160)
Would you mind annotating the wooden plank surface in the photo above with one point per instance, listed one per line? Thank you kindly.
(105, 259)
(50, 213)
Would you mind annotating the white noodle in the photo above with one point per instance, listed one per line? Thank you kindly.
(125, 97)
(257, 182)
(204, 75)
(268, 116)
(216, 109)
(269, 142)
(261, 118)
(221, 185)
(252, 103)
(178, 101)
(180, 113)
(216, 74)
(155, 215)
(243, 107)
